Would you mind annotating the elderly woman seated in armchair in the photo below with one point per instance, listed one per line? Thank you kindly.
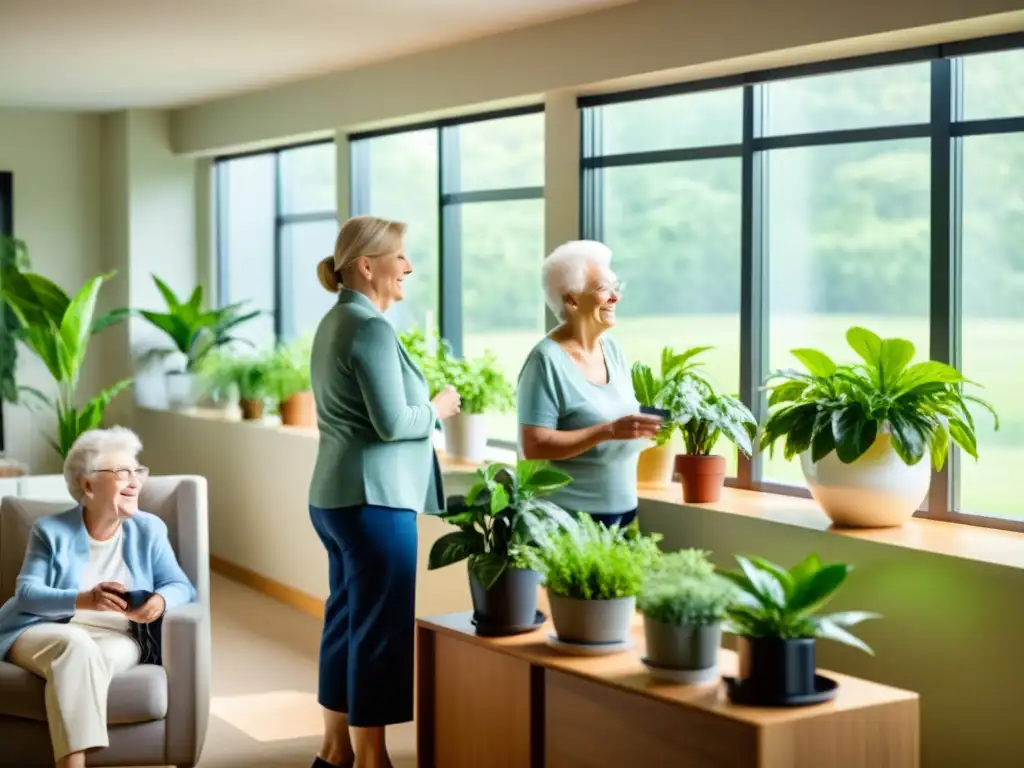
(93, 588)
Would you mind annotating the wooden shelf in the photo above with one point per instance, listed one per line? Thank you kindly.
(517, 702)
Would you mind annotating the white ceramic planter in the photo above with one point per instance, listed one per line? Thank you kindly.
(465, 437)
(183, 390)
(876, 491)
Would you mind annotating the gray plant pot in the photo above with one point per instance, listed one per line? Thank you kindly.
(511, 602)
(687, 647)
(591, 621)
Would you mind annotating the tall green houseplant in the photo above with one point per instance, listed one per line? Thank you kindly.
(57, 328)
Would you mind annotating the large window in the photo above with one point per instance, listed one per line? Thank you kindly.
(772, 212)
(472, 194)
(276, 218)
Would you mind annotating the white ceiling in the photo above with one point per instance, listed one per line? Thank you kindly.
(114, 54)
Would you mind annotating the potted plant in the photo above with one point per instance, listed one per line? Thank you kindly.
(865, 432)
(252, 375)
(57, 328)
(503, 514)
(593, 574)
(703, 416)
(684, 602)
(218, 372)
(195, 331)
(777, 620)
(289, 384)
(655, 465)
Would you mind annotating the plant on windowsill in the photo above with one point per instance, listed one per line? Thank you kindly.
(481, 385)
(195, 331)
(684, 602)
(288, 383)
(777, 620)
(502, 515)
(702, 416)
(593, 574)
(655, 465)
(57, 328)
(869, 434)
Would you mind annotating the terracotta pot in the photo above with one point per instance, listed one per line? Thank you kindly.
(299, 410)
(654, 469)
(702, 477)
(252, 410)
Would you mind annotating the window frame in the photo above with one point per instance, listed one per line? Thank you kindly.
(6, 230)
(283, 314)
(450, 200)
(945, 128)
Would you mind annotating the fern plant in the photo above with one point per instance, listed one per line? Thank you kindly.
(57, 328)
(594, 562)
(685, 590)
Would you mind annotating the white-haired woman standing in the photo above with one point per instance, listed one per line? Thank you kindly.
(576, 406)
(69, 620)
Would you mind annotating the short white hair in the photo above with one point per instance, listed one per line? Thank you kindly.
(566, 269)
(89, 449)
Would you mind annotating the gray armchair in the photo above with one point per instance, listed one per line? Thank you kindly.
(157, 715)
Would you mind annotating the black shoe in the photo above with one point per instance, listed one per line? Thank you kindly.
(321, 763)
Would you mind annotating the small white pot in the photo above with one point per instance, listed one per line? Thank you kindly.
(183, 390)
(465, 437)
(878, 490)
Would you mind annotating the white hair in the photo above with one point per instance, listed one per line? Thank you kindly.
(566, 270)
(89, 449)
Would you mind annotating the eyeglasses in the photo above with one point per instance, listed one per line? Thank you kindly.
(616, 287)
(124, 474)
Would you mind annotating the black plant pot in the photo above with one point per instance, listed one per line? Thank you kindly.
(774, 671)
(508, 607)
(650, 410)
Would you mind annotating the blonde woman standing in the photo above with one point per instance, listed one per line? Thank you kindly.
(375, 469)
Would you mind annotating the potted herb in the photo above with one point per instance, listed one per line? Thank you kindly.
(57, 328)
(703, 416)
(777, 620)
(655, 465)
(869, 434)
(289, 384)
(593, 574)
(195, 331)
(252, 375)
(684, 603)
(503, 515)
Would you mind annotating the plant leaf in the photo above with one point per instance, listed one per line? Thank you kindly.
(499, 499)
(853, 432)
(867, 344)
(767, 588)
(817, 363)
(488, 567)
(813, 591)
(829, 630)
(454, 547)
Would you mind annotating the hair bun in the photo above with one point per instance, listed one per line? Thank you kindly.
(327, 275)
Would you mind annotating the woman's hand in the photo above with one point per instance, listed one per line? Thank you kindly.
(447, 403)
(106, 596)
(149, 611)
(636, 426)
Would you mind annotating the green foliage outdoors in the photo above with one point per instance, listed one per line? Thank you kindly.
(13, 255)
(594, 562)
(845, 407)
(58, 328)
(503, 514)
(775, 602)
(685, 590)
(194, 329)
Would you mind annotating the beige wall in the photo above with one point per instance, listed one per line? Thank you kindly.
(674, 38)
(56, 161)
(950, 631)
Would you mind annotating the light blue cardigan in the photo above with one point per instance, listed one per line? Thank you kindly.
(58, 549)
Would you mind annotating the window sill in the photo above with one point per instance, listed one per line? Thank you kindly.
(939, 537)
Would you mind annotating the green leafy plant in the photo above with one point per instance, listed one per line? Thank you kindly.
(57, 328)
(703, 416)
(481, 385)
(594, 562)
(651, 390)
(503, 514)
(920, 406)
(253, 377)
(287, 369)
(13, 255)
(194, 329)
(774, 602)
(684, 589)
